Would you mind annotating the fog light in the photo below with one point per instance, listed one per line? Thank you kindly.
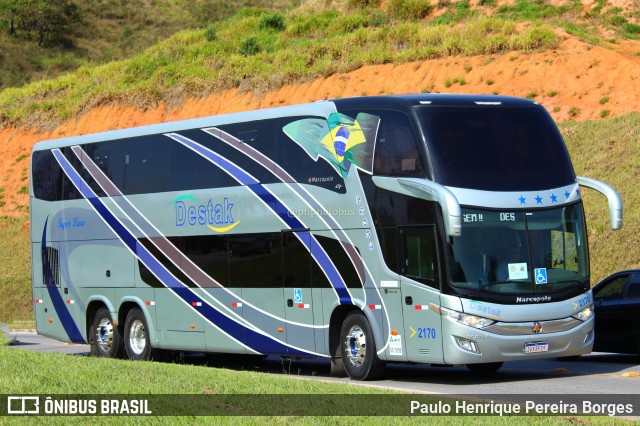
(467, 345)
(588, 337)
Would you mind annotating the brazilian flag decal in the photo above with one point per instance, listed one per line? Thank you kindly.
(340, 140)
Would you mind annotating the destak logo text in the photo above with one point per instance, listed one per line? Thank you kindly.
(217, 215)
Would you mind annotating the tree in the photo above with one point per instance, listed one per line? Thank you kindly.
(9, 10)
(48, 21)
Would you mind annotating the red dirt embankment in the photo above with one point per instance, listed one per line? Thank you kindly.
(575, 81)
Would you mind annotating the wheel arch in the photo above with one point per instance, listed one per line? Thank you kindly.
(335, 325)
(92, 308)
(127, 305)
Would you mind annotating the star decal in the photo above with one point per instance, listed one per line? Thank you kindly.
(522, 200)
(566, 194)
(554, 198)
(538, 199)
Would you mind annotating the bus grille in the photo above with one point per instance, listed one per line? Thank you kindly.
(50, 267)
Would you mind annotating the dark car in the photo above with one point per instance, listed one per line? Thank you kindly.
(617, 308)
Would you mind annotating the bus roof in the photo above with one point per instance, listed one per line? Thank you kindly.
(319, 108)
(435, 99)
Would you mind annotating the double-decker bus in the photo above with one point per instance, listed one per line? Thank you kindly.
(440, 229)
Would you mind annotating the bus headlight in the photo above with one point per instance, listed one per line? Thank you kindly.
(584, 314)
(466, 319)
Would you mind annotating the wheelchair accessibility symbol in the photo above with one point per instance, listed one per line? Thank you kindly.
(541, 275)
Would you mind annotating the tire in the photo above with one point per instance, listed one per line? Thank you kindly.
(137, 343)
(337, 365)
(358, 348)
(484, 368)
(105, 338)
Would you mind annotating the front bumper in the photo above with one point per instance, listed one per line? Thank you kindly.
(506, 342)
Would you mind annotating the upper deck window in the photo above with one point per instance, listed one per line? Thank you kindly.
(495, 148)
(397, 150)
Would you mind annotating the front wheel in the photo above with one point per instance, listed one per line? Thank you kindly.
(137, 343)
(358, 348)
(105, 338)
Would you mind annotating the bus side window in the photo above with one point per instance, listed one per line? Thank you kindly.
(252, 135)
(146, 161)
(397, 152)
(46, 176)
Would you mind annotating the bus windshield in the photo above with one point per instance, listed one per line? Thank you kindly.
(520, 252)
(495, 148)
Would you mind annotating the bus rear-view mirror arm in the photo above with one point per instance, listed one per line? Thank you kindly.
(427, 190)
(615, 202)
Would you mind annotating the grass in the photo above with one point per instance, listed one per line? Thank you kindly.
(15, 270)
(244, 55)
(110, 31)
(26, 372)
(608, 150)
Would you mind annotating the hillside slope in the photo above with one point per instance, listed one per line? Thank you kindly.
(576, 81)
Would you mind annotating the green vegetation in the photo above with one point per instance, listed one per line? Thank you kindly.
(571, 17)
(71, 34)
(15, 270)
(255, 56)
(27, 372)
(408, 9)
(574, 112)
(608, 150)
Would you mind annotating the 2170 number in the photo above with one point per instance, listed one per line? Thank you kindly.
(426, 333)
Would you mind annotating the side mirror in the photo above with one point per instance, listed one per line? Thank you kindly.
(615, 202)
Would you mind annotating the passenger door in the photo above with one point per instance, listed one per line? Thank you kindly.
(300, 303)
(420, 280)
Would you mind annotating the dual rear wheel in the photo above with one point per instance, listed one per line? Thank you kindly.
(110, 341)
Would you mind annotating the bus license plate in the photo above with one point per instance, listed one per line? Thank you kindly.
(535, 347)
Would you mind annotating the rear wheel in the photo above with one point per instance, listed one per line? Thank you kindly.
(137, 343)
(358, 348)
(105, 338)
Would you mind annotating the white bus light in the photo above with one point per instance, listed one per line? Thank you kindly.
(584, 314)
(470, 320)
(467, 345)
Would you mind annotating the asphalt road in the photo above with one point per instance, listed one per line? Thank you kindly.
(597, 373)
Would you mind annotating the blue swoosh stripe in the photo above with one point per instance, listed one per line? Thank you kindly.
(256, 341)
(236, 172)
(59, 306)
(278, 208)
